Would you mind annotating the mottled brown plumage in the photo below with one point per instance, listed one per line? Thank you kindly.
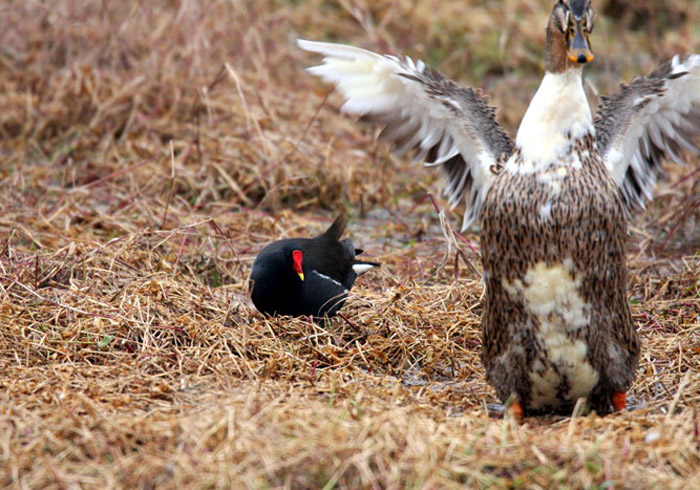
(584, 233)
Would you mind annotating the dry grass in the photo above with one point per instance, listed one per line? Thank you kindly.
(149, 150)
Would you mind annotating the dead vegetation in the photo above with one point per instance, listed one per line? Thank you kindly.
(148, 150)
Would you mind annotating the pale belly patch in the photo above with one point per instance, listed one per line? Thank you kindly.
(552, 295)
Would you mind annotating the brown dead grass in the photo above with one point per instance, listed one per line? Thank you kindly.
(149, 150)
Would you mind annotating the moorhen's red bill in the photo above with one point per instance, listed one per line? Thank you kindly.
(306, 276)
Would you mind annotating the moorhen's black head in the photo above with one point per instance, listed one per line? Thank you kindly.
(306, 276)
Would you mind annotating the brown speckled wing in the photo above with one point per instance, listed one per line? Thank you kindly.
(444, 123)
(650, 119)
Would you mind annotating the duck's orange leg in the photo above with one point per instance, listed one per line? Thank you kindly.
(516, 411)
(619, 400)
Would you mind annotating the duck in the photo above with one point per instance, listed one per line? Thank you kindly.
(551, 206)
(307, 276)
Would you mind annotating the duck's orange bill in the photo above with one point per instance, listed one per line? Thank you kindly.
(580, 49)
(575, 56)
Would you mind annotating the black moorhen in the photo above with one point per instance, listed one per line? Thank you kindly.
(306, 276)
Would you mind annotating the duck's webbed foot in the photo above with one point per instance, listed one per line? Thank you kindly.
(619, 400)
(516, 411)
(499, 410)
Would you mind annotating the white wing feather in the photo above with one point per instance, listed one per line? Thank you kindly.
(649, 119)
(449, 124)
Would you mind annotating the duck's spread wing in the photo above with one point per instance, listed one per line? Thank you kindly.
(446, 124)
(650, 119)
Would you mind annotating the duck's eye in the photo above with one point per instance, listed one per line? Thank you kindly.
(590, 20)
(561, 18)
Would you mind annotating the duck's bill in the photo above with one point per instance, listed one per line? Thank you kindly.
(580, 50)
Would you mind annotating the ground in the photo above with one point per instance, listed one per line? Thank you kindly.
(148, 151)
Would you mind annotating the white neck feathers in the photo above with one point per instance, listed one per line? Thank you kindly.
(558, 114)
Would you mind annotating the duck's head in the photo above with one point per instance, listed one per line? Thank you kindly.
(568, 31)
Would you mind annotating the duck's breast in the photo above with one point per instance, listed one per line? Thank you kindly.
(552, 249)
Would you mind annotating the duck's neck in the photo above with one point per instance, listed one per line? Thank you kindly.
(557, 117)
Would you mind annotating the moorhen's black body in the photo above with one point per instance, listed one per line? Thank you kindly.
(306, 276)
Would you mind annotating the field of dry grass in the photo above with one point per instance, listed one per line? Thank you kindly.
(148, 151)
